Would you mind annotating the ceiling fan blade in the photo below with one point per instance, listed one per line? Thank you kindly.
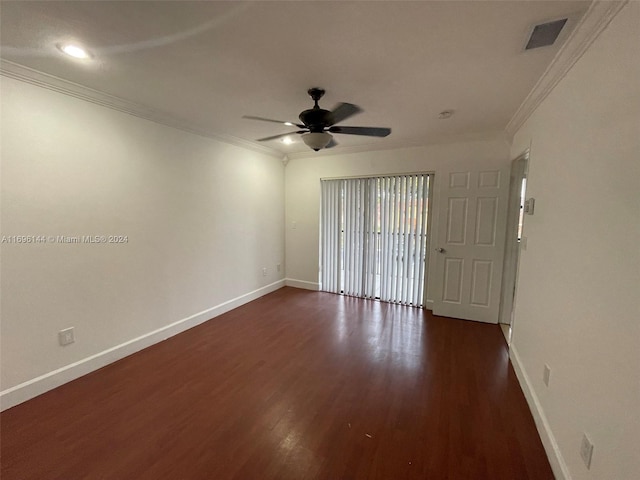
(273, 137)
(332, 143)
(368, 131)
(291, 124)
(342, 111)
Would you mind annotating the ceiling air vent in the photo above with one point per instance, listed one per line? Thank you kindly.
(545, 34)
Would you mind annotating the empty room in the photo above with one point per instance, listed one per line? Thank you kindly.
(320, 240)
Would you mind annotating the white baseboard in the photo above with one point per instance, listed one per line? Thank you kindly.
(558, 465)
(39, 385)
(292, 282)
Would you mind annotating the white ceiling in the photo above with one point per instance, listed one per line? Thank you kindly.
(208, 63)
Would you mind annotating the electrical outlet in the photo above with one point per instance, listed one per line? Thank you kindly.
(278, 267)
(586, 450)
(546, 373)
(66, 336)
(294, 225)
(264, 272)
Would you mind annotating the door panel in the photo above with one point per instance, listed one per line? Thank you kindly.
(453, 280)
(490, 179)
(457, 221)
(481, 277)
(486, 216)
(459, 180)
(470, 239)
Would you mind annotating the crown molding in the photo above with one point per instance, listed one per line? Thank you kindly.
(50, 82)
(592, 23)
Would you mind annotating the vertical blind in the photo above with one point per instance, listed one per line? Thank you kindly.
(374, 237)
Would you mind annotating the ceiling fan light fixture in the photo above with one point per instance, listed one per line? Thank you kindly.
(75, 51)
(316, 140)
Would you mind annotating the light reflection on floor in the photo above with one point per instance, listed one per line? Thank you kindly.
(389, 330)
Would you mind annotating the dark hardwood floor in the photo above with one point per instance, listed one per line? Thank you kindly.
(295, 385)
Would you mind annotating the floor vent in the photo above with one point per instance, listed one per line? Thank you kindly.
(545, 34)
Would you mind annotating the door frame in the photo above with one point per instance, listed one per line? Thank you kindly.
(512, 247)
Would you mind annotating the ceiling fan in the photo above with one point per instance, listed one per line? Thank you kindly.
(318, 124)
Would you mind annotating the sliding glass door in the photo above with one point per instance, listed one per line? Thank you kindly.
(374, 237)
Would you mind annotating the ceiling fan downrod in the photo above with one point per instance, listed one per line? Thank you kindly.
(316, 94)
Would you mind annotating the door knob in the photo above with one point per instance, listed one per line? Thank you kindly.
(440, 250)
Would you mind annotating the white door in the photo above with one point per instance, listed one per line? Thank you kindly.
(470, 242)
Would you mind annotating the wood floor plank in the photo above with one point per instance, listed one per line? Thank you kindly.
(295, 385)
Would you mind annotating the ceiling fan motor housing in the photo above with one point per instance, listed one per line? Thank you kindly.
(316, 119)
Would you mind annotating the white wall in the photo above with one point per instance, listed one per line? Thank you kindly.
(202, 219)
(302, 182)
(578, 301)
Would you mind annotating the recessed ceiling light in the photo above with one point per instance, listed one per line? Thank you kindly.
(288, 124)
(287, 140)
(74, 51)
(445, 114)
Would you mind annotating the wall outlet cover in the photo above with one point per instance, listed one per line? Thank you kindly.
(66, 336)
